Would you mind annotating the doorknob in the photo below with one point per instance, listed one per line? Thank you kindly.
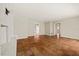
(3, 25)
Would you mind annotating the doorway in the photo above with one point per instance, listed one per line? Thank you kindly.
(37, 28)
(58, 30)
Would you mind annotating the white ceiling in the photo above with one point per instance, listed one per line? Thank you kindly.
(46, 11)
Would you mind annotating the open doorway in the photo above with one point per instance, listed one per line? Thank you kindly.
(37, 28)
(58, 30)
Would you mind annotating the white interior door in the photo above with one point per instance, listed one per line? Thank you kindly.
(6, 28)
(7, 40)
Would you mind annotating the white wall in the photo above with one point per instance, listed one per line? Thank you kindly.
(69, 27)
(21, 27)
(25, 27)
(31, 28)
(49, 28)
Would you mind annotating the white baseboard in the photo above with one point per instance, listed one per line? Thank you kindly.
(70, 37)
(20, 37)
